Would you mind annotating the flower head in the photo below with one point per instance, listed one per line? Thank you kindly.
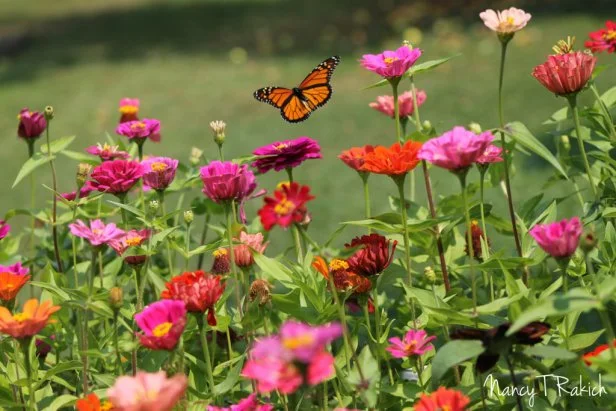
(394, 161)
(603, 39)
(286, 154)
(159, 172)
(129, 246)
(117, 176)
(506, 21)
(391, 64)
(249, 243)
(200, 292)
(587, 357)
(304, 341)
(97, 233)
(162, 323)
(354, 157)
(249, 403)
(477, 235)
(92, 403)
(559, 239)
(567, 73)
(84, 192)
(456, 149)
(147, 392)
(385, 104)
(492, 154)
(413, 343)
(221, 263)
(29, 322)
(288, 206)
(260, 290)
(16, 269)
(107, 152)
(5, 229)
(373, 255)
(344, 280)
(227, 181)
(140, 129)
(12, 279)
(31, 124)
(129, 109)
(442, 399)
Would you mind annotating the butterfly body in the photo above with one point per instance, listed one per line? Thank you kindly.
(297, 103)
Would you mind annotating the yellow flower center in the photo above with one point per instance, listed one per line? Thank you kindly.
(162, 329)
(284, 207)
(97, 231)
(159, 167)
(281, 185)
(133, 241)
(410, 346)
(298, 341)
(140, 125)
(281, 146)
(220, 252)
(106, 406)
(474, 222)
(610, 35)
(445, 408)
(129, 109)
(390, 60)
(21, 317)
(337, 264)
(510, 20)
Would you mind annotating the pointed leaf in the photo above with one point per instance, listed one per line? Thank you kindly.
(453, 353)
(30, 165)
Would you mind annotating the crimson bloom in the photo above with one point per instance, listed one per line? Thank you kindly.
(457, 149)
(31, 124)
(140, 130)
(286, 154)
(288, 206)
(394, 161)
(129, 246)
(117, 176)
(603, 39)
(442, 399)
(414, 342)
(344, 280)
(477, 235)
(159, 172)
(84, 191)
(390, 64)
(373, 255)
(385, 104)
(129, 109)
(227, 181)
(162, 323)
(566, 73)
(107, 152)
(354, 157)
(559, 239)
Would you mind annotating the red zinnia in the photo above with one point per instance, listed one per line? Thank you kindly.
(603, 39)
(567, 73)
(354, 157)
(374, 255)
(288, 206)
(394, 161)
(476, 235)
(442, 399)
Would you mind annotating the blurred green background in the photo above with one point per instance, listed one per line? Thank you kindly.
(193, 61)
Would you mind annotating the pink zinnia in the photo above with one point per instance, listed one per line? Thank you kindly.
(603, 39)
(567, 73)
(97, 233)
(559, 239)
(107, 152)
(506, 21)
(129, 246)
(140, 129)
(492, 154)
(249, 243)
(227, 181)
(390, 64)
(413, 343)
(282, 155)
(147, 392)
(31, 124)
(249, 403)
(117, 176)
(304, 341)
(83, 192)
(129, 109)
(456, 149)
(159, 172)
(162, 323)
(16, 269)
(4, 229)
(385, 104)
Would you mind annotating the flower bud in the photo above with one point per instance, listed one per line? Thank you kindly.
(475, 128)
(195, 156)
(430, 274)
(83, 171)
(426, 125)
(116, 298)
(48, 113)
(189, 216)
(565, 143)
(260, 290)
(588, 241)
(222, 263)
(407, 44)
(154, 205)
(218, 127)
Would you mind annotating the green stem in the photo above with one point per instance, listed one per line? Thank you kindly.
(572, 99)
(297, 241)
(138, 281)
(606, 113)
(364, 179)
(234, 272)
(206, 354)
(203, 238)
(603, 314)
(501, 76)
(123, 212)
(487, 274)
(563, 263)
(187, 245)
(394, 86)
(54, 204)
(161, 200)
(25, 346)
(116, 343)
(342, 317)
(405, 233)
(469, 239)
(220, 153)
(419, 367)
(32, 241)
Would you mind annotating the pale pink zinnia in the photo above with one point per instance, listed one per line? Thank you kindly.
(304, 340)
(249, 243)
(559, 239)
(107, 152)
(505, 21)
(147, 392)
(567, 73)
(413, 343)
(140, 129)
(390, 64)
(456, 149)
(98, 233)
(385, 104)
(250, 403)
(492, 154)
(162, 323)
(159, 172)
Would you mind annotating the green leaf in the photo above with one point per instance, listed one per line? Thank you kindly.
(57, 145)
(60, 402)
(579, 342)
(30, 165)
(62, 367)
(81, 157)
(453, 353)
(272, 268)
(550, 352)
(128, 208)
(54, 289)
(160, 237)
(417, 69)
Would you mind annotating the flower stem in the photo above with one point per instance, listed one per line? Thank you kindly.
(342, 317)
(394, 86)
(606, 113)
(116, 343)
(514, 383)
(206, 224)
(576, 120)
(186, 245)
(364, 178)
(563, 263)
(206, 354)
(485, 232)
(605, 318)
(123, 212)
(54, 206)
(469, 239)
(234, 272)
(407, 246)
(161, 200)
(25, 346)
(32, 241)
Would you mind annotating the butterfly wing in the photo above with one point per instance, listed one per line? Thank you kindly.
(275, 96)
(296, 110)
(321, 74)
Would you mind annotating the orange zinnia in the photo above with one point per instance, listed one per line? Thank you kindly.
(354, 157)
(344, 280)
(29, 322)
(394, 161)
(10, 284)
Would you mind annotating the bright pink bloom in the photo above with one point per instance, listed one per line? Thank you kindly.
(16, 269)
(162, 323)
(107, 152)
(129, 246)
(413, 343)
(288, 206)
(390, 64)
(140, 129)
(272, 367)
(567, 73)
(31, 124)
(159, 172)
(83, 192)
(603, 39)
(4, 229)
(385, 104)
(492, 154)
(129, 108)
(249, 243)
(97, 233)
(249, 403)
(227, 181)
(456, 149)
(304, 341)
(147, 392)
(286, 154)
(321, 368)
(505, 21)
(559, 239)
(117, 176)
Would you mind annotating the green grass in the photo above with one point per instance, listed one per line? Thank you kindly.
(175, 56)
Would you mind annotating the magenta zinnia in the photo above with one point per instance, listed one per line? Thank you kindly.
(227, 181)
(390, 64)
(162, 323)
(286, 154)
(603, 39)
(31, 124)
(159, 172)
(117, 176)
(559, 239)
(140, 130)
(129, 109)
(414, 342)
(107, 152)
(130, 245)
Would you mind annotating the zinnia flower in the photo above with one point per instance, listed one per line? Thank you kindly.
(354, 157)
(83, 192)
(16, 269)
(129, 108)
(92, 403)
(603, 39)
(12, 279)
(385, 104)
(567, 73)
(286, 154)
(373, 255)
(249, 243)
(288, 206)
(107, 152)
(227, 181)
(4, 229)
(260, 290)
(391, 64)
(394, 161)
(97, 233)
(129, 246)
(162, 323)
(140, 130)
(159, 172)
(559, 239)
(506, 21)
(492, 154)
(442, 399)
(249, 403)
(477, 235)
(200, 292)
(457, 149)
(29, 322)
(587, 357)
(117, 176)
(344, 280)
(147, 392)
(413, 343)
(305, 341)
(221, 263)
(31, 124)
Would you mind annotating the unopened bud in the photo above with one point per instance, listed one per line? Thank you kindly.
(407, 44)
(430, 274)
(218, 127)
(154, 205)
(426, 125)
(588, 241)
(195, 156)
(83, 171)
(260, 290)
(189, 216)
(116, 298)
(475, 128)
(48, 113)
(565, 143)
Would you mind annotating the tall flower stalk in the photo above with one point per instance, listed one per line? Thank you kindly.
(467, 217)
(49, 114)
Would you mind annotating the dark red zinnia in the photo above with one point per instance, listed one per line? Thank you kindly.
(373, 255)
(476, 235)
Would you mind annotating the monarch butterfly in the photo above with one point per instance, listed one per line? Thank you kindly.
(298, 103)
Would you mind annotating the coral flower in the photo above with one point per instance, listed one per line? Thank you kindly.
(559, 239)
(394, 161)
(140, 130)
(249, 243)
(227, 181)
(4, 229)
(93, 403)
(162, 323)
(147, 392)
(492, 154)
(587, 358)
(413, 343)
(477, 235)
(129, 246)
(603, 39)
(354, 157)
(567, 73)
(506, 21)
(373, 255)
(31, 124)
(12, 279)
(442, 399)
(117, 176)
(107, 152)
(29, 322)
(159, 172)
(457, 149)
(83, 192)
(288, 206)
(97, 233)
(129, 109)
(200, 292)
(344, 280)
(391, 64)
(282, 155)
(385, 104)
(249, 403)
